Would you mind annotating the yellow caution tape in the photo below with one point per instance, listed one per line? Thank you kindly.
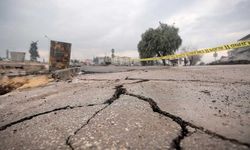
(200, 51)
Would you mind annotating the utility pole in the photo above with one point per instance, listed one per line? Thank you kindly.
(7, 54)
(113, 53)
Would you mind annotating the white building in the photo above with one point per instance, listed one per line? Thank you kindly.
(102, 60)
(121, 61)
(17, 56)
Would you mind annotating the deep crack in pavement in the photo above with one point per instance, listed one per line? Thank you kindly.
(183, 124)
(43, 113)
(68, 138)
(118, 92)
(205, 81)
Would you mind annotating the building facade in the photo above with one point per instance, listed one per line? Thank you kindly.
(17, 56)
(121, 61)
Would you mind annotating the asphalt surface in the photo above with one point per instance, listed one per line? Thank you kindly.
(113, 69)
(205, 107)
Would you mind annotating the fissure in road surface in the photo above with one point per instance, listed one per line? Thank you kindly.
(205, 81)
(116, 80)
(118, 92)
(183, 124)
(42, 113)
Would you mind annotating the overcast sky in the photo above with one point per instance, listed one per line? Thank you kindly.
(94, 27)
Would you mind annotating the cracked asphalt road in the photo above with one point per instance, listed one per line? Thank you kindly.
(204, 107)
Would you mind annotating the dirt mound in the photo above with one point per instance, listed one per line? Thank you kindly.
(8, 84)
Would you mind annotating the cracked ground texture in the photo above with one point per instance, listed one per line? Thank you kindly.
(134, 126)
(166, 108)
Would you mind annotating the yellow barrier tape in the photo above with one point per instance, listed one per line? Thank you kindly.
(200, 51)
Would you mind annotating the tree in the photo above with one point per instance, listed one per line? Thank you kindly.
(164, 40)
(33, 51)
(193, 60)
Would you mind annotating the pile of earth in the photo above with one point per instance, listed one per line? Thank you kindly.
(8, 84)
